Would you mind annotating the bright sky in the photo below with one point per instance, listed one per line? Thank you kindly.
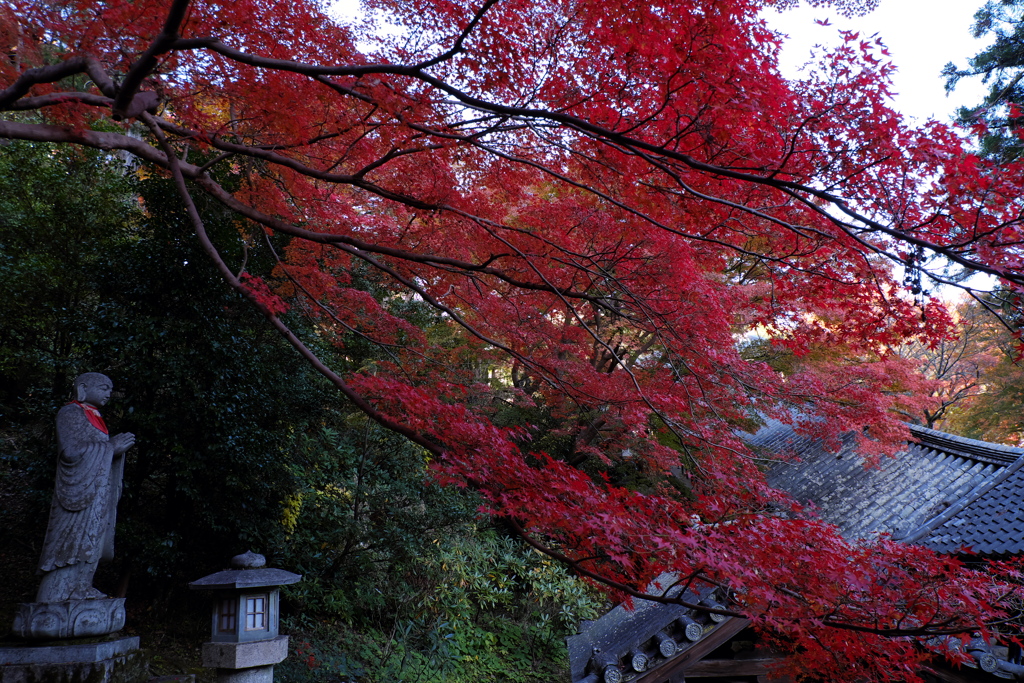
(922, 36)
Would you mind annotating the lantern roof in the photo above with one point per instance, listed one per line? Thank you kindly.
(249, 572)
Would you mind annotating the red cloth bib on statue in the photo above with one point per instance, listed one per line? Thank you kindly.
(92, 414)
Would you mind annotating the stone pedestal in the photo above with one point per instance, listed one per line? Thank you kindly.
(68, 619)
(108, 661)
(248, 662)
(257, 674)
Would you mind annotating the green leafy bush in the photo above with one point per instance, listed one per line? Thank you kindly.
(478, 607)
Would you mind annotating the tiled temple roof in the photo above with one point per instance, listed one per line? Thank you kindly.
(944, 491)
(992, 524)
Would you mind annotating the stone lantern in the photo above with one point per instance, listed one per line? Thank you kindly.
(244, 642)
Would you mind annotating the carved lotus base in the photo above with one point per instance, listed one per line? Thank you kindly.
(68, 619)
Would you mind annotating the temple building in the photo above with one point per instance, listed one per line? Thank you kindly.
(945, 492)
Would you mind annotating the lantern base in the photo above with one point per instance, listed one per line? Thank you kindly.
(247, 655)
(257, 674)
(68, 619)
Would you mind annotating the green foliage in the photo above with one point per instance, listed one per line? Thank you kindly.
(361, 511)
(477, 607)
(1000, 66)
(62, 212)
(400, 585)
(497, 572)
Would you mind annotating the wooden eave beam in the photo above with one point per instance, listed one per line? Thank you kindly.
(695, 653)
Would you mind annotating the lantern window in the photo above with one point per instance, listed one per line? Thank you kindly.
(227, 616)
(255, 612)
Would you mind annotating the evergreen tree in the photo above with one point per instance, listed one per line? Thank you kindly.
(1000, 66)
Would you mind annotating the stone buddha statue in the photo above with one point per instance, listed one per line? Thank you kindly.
(90, 464)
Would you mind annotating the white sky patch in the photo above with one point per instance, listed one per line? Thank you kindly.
(343, 10)
(352, 12)
(922, 36)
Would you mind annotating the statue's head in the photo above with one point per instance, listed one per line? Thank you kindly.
(93, 388)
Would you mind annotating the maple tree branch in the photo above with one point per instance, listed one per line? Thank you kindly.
(387, 348)
(429, 259)
(347, 245)
(549, 376)
(471, 139)
(389, 157)
(53, 99)
(644, 397)
(604, 134)
(213, 162)
(54, 73)
(790, 187)
(582, 125)
(215, 45)
(147, 62)
(409, 284)
(457, 46)
(38, 132)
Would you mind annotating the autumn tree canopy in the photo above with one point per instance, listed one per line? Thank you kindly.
(598, 201)
(961, 366)
(993, 413)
